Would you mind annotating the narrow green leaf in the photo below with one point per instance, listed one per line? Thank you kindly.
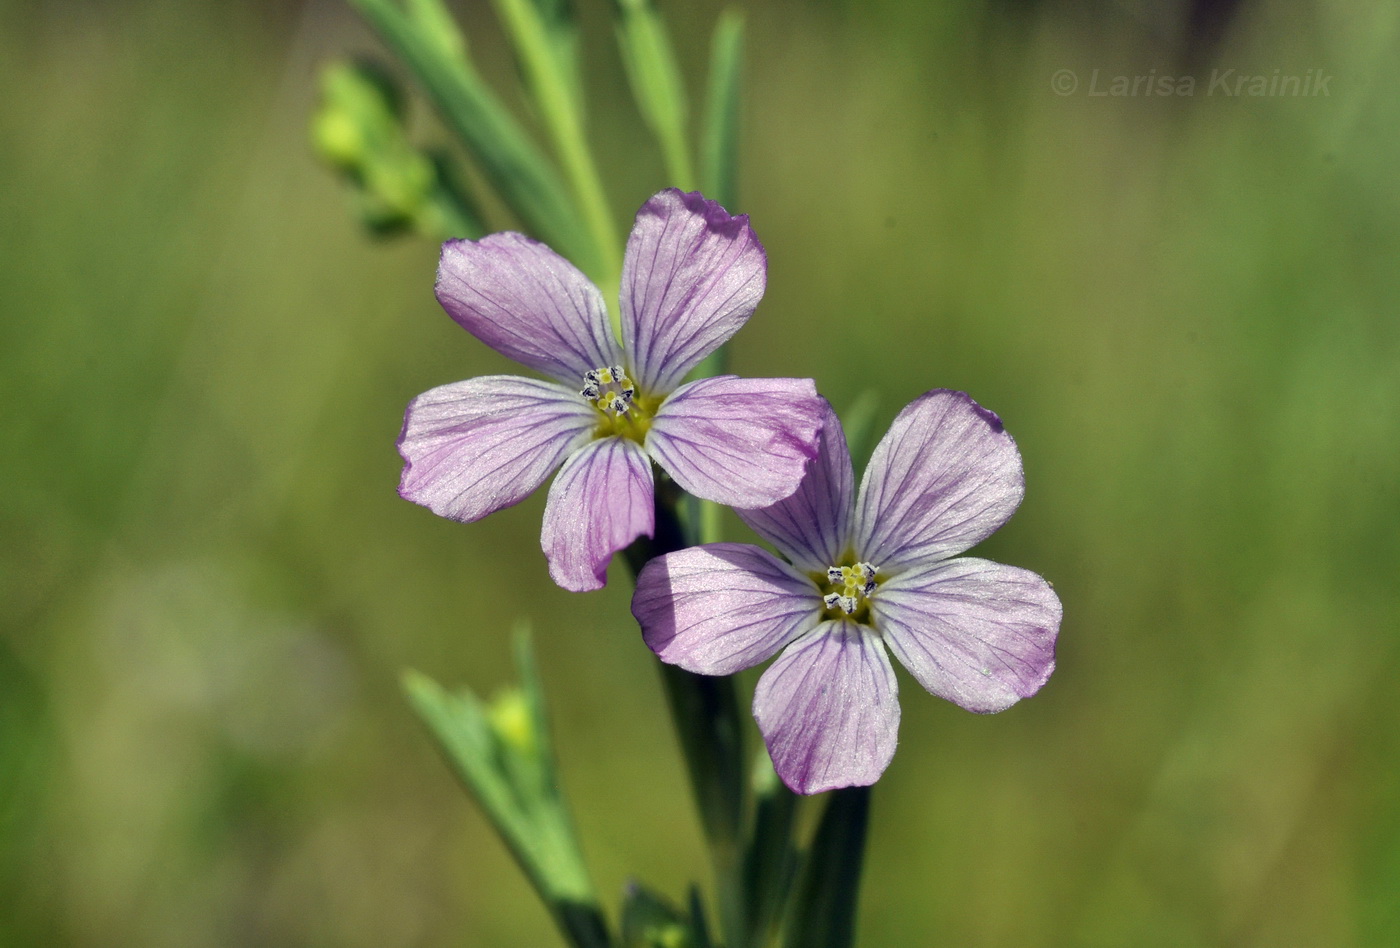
(459, 724)
(502, 753)
(770, 860)
(719, 140)
(543, 36)
(698, 924)
(511, 162)
(435, 22)
(823, 911)
(649, 921)
(858, 421)
(655, 77)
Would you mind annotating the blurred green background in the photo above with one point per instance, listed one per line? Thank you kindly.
(1185, 309)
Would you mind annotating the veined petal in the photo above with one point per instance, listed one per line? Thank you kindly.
(527, 302)
(601, 501)
(723, 607)
(980, 634)
(812, 527)
(474, 447)
(740, 442)
(829, 709)
(944, 478)
(691, 276)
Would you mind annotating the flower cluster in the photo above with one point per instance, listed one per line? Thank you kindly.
(860, 575)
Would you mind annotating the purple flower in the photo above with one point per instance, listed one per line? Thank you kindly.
(692, 275)
(865, 572)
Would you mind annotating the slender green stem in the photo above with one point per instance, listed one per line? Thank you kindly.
(822, 913)
(705, 710)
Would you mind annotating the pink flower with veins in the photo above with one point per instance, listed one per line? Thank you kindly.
(692, 275)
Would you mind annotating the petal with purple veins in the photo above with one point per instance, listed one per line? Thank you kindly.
(740, 442)
(601, 501)
(980, 634)
(829, 709)
(943, 479)
(474, 447)
(527, 302)
(812, 527)
(721, 608)
(691, 276)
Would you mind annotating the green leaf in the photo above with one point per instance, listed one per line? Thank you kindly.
(649, 921)
(655, 77)
(435, 22)
(719, 140)
(543, 35)
(503, 754)
(512, 163)
(823, 912)
(770, 860)
(698, 924)
(858, 421)
(358, 130)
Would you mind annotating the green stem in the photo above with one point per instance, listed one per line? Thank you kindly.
(822, 913)
(705, 711)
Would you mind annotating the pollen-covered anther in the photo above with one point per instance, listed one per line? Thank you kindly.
(846, 604)
(609, 389)
(852, 585)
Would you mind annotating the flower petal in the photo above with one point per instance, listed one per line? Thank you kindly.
(474, 447)
(829, 709)
(812, 527)
(944, 478)
(723, 607)
(691, 276)
(740, 442)
(977, 633)
(527, 302)
(600, 502)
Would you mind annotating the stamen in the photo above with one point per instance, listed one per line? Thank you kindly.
(609, 389)
(852, 586)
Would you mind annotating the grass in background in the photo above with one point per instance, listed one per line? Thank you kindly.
(1184, 311)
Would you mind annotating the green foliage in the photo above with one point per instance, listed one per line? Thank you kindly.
(503, 755)
(1182, 309)
(359, 131)
(656, 84)
(513, 164)
(649, 921)
(823, 909)
(719, 142)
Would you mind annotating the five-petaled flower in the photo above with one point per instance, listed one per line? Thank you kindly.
(864, 573)
(691, 276)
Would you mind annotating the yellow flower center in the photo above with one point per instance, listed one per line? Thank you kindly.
(621, 409)
(846, 590)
